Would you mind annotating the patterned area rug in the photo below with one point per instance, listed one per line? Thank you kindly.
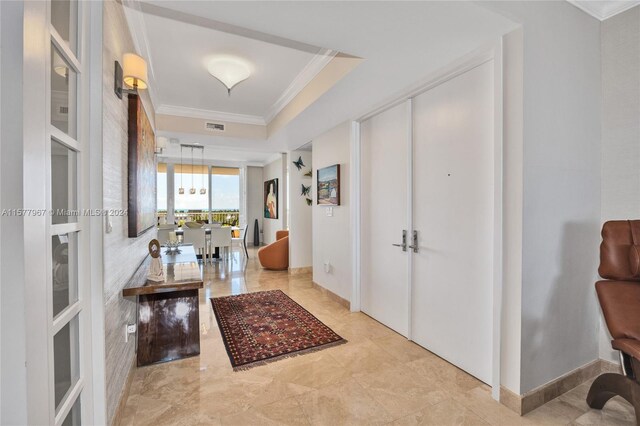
(267, 326)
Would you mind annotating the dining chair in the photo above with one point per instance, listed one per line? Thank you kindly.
(242, 239)
(196, 237)
(164, 231)
(221, 237)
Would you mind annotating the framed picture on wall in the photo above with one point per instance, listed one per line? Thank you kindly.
(271, 199)
(329, 185)
(141, 170)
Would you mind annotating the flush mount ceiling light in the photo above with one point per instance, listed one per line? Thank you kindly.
(229, 70)
(59, 66)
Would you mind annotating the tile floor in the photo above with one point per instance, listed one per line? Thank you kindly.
(377, 378)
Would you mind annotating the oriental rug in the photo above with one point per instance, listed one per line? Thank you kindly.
(266, 326)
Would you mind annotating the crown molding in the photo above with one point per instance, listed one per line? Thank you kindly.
(308, 73)
(603, 10)
(204, 114)
(137, 27)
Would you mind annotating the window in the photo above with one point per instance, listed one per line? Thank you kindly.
(225, 195)
(210, 193)
(193, 204)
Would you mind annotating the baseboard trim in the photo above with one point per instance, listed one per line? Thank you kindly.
(511, 400)
(523, 404)
(124, 396)
(307, 270)
(331, 295)
(610, 367)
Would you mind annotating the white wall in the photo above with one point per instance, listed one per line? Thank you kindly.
(273, 170)
(331, 235)
(254, 200)
(511, 337)
(620, 127)
(561, 175)
(300, 223)
(13, 390)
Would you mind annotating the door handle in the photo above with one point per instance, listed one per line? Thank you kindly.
(414, 246)
(404, 241)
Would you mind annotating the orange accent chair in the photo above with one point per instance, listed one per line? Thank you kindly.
(275, 256)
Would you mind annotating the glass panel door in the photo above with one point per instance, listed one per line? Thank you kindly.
(65, 226)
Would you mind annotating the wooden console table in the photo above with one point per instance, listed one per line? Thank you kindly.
(169, 311)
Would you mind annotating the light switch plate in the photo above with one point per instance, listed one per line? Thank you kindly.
(329, 211)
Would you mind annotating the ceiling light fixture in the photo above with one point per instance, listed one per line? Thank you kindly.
(181, 189)
(59, 66)
(229, 70)
(193, 188)
(203, 190)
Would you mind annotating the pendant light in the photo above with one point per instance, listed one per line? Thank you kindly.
(192, 191)
(181, 189)
(203, 190)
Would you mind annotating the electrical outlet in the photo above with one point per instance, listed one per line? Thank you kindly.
(329, 211)
(327, 266)
(129, 329)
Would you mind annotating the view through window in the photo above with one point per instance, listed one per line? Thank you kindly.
(210, 194)
(193, 204)
(225, 195)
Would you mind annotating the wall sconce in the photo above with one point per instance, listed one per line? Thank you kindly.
(161, 145)
(133, 74)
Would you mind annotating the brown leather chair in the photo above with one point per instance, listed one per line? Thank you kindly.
(275, 256)
(619, 296)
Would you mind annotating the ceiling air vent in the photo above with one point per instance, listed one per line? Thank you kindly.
(215, 127)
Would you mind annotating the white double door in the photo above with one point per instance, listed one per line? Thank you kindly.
(428, 168)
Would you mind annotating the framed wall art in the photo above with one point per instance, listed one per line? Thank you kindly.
(271, 199)
(329, 186)
(141, 170)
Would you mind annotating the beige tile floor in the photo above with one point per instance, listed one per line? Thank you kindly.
(377, 378)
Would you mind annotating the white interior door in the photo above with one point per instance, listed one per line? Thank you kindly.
(453, 184)
(384, 267)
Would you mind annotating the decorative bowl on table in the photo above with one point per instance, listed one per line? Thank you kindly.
(173, 247)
